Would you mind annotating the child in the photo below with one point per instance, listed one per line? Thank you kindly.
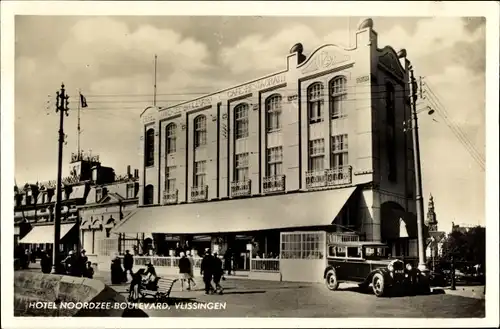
(89, 271)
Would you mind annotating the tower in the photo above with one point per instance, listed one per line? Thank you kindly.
(431, 221)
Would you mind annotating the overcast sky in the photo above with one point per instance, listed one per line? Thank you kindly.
(110, 59)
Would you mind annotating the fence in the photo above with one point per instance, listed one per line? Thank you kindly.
(265, 265)
(257, 265)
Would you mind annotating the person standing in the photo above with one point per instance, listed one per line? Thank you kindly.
(191, 268)
(227, 261)
(217, 273)
(83, 263)
(45, 262)
(207, 271)
(184, 269)
(128, 263)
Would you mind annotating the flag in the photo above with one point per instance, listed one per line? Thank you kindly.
(83, 101)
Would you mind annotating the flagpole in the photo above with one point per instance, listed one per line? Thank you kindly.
(154, 94)
(78, 126)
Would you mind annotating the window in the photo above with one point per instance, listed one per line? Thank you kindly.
(241, 167)
(200, 131)
(391, 132)
(130, 191)
(274, 161)
(339, 156)
(338, 96)
(302, 246)
(199, 173)
(171, 139)
(98, 194)
(337, 251)
(170, 179)
(149, 194)
(354, 252)
(241, 121)
(149, 151)
(315, 102)
(273, 112)
(317, 155)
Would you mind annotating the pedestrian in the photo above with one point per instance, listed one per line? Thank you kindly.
(128, 263)
(184, 269)
(191, 268)
(45, 262)
(207, 271)
(89, 271)
(217, 273)
(178, 249)
(116, 271)
(83, 262)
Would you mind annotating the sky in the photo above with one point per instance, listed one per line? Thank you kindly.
(110, 60)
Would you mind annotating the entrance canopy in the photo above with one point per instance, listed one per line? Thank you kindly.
(45, 233)
(240, 215)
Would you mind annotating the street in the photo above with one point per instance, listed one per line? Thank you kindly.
(247, 298)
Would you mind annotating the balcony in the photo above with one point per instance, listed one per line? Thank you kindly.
(329, 177)
(170, 197)
(241, 188)
(274, 183)
(199, 193)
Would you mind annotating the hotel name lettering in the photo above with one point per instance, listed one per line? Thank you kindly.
(232, 93)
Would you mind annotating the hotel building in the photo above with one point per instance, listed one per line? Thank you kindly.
(269, 165)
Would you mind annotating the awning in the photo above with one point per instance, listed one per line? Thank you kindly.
(45, 233)
(240, 215)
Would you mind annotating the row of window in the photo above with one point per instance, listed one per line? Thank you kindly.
(339, 153)
(338, 95)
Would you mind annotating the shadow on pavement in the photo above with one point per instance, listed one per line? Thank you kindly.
(369, 291)
(244, 292)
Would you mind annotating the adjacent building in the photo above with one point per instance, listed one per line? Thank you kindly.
(280, 164)
(94, 200)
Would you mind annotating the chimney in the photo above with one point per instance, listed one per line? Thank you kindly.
(128, 171)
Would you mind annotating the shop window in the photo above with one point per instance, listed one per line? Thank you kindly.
(302, 246)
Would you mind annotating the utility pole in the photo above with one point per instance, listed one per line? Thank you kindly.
(62, 108)
(422, 266)
(78, 129)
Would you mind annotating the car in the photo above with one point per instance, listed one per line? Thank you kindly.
(368, 264)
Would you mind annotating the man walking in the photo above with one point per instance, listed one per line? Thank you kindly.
(217, 274)
(184, 269)
(207, 271)
(128, 263)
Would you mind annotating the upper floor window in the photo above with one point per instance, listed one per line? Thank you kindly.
(170, 179)
(390, 100)
(339, 157)
(149, 151)
(241, 121)
(98, 194)
(315, 102)
(171, 138)
(200, 131)
(274, 161)
(317, 155)
(338, 96)
(273, 113)
(200, 173)
(241, 167)
(131, 191)
(149, 194)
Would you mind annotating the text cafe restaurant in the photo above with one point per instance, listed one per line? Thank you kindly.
(266, 170)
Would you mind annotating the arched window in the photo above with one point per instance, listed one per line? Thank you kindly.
(390, 101)
(149, 150)
(148, 194)
(315, 102)
(200, 131)
(338, 96)
(171, 138)
(273, 113)
(241, 121)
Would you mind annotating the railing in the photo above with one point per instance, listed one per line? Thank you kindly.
(199, 193)
(170, 197)
(161, 261)
(265, 265)
(329, 177)
(274, 183)
(241, 188)
(342, 237)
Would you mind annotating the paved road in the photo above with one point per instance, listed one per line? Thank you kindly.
(250, 298)
(255, 298)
